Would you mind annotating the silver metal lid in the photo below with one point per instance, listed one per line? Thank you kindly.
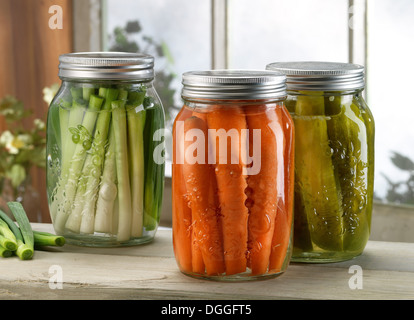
(106, 66)
(233, 84)
(316, 75)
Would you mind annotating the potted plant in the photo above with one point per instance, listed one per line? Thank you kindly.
(22, 147)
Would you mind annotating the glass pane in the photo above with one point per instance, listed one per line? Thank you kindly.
(266, 31)
(177, 33)
(390, 69)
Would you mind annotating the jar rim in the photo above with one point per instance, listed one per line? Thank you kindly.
(320, 75)
(229, 84)
(106, 66)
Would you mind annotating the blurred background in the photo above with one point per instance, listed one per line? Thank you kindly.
(188, 35)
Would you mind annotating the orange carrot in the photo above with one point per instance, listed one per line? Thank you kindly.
(181, 212)
(284, 216)
(263, 190)
(200, 183)
(197, 256)
(231, 185)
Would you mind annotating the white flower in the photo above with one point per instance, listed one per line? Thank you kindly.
(6, 137)
(11, 148)
(50, 92)
(23, 140)
(14, 143)
(40, 125)
(8, 111)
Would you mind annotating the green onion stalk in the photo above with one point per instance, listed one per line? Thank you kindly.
(18, 238)
(72, 172)
(103, 182)
(25, 238)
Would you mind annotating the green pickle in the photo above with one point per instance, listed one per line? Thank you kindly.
(334, 176)
(334, 159)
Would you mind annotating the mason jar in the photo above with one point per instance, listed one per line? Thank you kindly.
(232, 176)
(105, 169)
(334, 165)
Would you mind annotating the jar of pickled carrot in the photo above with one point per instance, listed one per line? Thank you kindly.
(334, 159)
(105, 169)
(232, 176)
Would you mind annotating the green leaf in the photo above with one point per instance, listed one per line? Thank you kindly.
(402, 162)
(167, 52)
(148, 102)
(133, 27)
(39, 158)
(17, 174)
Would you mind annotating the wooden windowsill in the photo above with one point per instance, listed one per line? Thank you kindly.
(150, 272)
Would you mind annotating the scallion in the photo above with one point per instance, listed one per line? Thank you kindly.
(25, 248)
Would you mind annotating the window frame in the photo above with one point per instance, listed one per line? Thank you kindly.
(90, 35)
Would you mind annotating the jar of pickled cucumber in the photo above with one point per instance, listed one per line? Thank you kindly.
(334, 164)
(105, 169)
(232, 176)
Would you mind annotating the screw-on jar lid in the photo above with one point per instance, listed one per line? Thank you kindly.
(233, 84)
(316, 75)
(106, 66)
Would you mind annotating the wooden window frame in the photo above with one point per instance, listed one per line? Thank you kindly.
(357, 53)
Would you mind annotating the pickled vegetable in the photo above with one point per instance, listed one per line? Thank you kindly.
(351, 159)
(334, 175)
(315, 174)
(100, 163)
(227, 222)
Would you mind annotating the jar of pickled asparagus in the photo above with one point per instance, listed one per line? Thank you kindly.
(232, 176)
(334, 166)
(105, 168)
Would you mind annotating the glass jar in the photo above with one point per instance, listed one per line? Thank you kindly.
(105, 168)
(334, 166)
(232, 176)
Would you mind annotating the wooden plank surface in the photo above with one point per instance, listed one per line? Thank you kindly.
(150, 272)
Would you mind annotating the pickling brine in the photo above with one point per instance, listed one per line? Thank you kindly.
(232, 179)
(104, 185)
(334, 164)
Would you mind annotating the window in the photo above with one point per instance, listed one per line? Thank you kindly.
(241, 34)
(389, 86)
(177, 33)
(278, 30)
